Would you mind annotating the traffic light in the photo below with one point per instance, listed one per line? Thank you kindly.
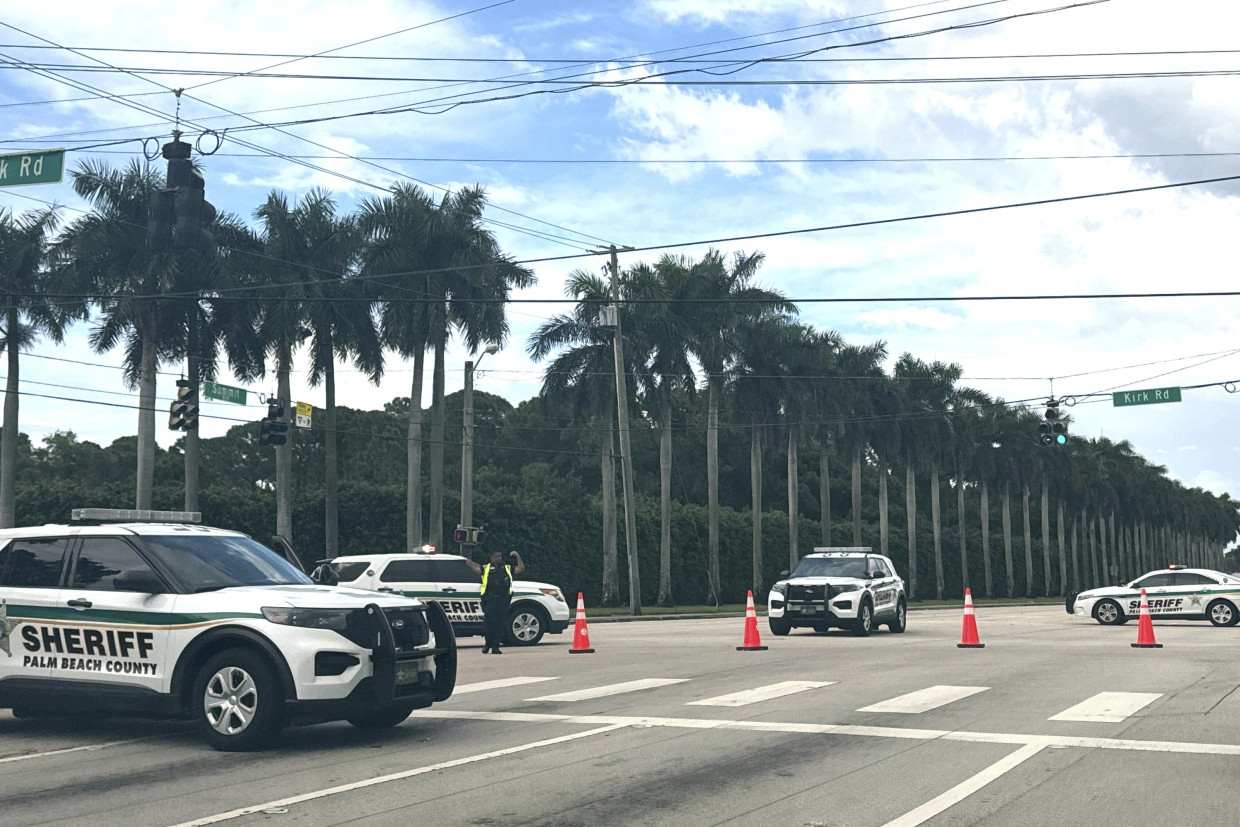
(460, 535)
(1053, 430)
(178, 216)
(272, 430)
(159, 220)
(183, 412)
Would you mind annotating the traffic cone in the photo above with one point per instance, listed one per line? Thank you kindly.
(581, 635)
(751, 642)
(1145, 627)
(968, 632)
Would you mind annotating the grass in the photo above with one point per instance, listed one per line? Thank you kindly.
(738, 608)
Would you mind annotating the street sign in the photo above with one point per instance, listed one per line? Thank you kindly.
(1122, 399)
(224, 393)
(304, 411)
(21, 168)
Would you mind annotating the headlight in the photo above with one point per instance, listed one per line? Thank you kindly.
(846, 589)
(780, 588)
(556, 593)
(337, 620)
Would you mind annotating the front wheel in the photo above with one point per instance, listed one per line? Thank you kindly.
(380, 718)
(900, 622)
(865, 620)
(779, 626)
(239, 703)
(1222, 613)
(526, 626)
(1108, 613)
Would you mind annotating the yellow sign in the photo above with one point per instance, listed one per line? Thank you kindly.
(304, 411)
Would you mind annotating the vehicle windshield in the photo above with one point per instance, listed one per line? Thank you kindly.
(830, 567)
(205, 563)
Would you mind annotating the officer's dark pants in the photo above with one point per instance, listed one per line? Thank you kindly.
(495, 612)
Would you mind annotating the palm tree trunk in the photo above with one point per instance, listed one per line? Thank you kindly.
(438, 413)
(755, 493)
(1107, 578)
(1116, 552)
(284, 453)
(146, 416)
(331, 481)
(794, 499)
(986, 573)
(960, 526)
(1076, 560)
(910, 511)
(665, 509)
(1007, 540)
(1046, 539)
(1028, 544)
(882, 510)
(1093, 553)
(856, 497)
(1063, 558)
(712, 489)
(611, 571)
(193, 448)
(8, 437)
(413, 473)
(824, 493)
(936, 524)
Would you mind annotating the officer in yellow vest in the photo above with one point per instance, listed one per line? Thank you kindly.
(496, 596)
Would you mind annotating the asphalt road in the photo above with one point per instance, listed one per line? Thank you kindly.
(818, 730)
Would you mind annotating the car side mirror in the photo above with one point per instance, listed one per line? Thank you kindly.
(325, 575)
(872, 575)
(784, 573)
(143, 582)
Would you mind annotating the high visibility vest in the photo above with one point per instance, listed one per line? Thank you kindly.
(487, 570)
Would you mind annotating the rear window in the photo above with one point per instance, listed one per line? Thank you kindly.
(348, 572)
(404, 571)
(34, 563)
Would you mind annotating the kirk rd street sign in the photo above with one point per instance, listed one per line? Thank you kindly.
(1123, 399)
(22, 168)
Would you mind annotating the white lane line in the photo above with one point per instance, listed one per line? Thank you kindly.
(396, 776)
(965, 788)
(1013, 738)
(1107, 707)
(87, 748)
(611, 689)
(762, 693)
(924, 699)
(482, 686)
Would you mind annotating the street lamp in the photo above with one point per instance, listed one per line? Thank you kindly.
(467, 441)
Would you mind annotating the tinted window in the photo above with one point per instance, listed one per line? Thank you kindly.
(34, 564)
(886, 569)
(348, 572)
(101, 559)
(403, 571)
(1153, 581)
(207, 562)
(454, 571)
(830, 567)
(1187, 578)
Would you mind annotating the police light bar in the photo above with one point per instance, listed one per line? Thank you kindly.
(428, 549)
(1174, 567)
(130, 515)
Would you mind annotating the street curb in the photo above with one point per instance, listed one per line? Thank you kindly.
(639, 618)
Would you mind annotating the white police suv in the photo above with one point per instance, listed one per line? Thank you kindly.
(446, 579)
(853, 588)
(152, 615)
(1175, 592)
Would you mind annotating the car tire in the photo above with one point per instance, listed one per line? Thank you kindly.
(1109, 613)
(237, 701)
(779, 626)
(381, 718)
(900, 622)
(1222, 613)
(527, 623)
(864, 624)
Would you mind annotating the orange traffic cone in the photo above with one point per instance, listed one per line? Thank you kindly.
(968, 633)
(1145, 627)
(581, 635)
(751, 642)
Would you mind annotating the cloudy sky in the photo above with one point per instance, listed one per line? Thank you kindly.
(876, 110)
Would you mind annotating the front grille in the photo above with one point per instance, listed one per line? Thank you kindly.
(807, 594)
(409, 628)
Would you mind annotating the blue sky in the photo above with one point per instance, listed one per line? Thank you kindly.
(801, 155)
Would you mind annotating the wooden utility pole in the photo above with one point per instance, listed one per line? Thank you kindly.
(626, 453)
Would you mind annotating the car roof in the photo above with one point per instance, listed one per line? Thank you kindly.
(385, 557)
(1184, 570)
(112, 529)
(858, 554)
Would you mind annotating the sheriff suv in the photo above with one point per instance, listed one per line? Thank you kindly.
(446, 579)
(140, 612)
(853, 588)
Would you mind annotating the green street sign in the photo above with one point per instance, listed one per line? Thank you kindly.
(22, 168)
(224, 393)
(1123, 399)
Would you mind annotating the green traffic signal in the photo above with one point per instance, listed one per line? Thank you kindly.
(1061, 439)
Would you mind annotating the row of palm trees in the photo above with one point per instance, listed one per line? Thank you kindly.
(707, 324)
(404, 274)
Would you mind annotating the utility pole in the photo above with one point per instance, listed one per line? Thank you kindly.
(626, 454)
(467, 443)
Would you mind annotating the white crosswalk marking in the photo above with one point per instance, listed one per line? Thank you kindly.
(762, 693)
(611, 689)
(924, 699)
(1107, 707)
(483, 686)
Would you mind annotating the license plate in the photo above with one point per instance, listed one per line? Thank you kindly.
(809, 610)
(407, 673)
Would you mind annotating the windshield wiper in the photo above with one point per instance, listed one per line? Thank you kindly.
(201, 589)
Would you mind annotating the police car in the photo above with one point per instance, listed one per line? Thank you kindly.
(141, 612)
(446, 579)
(852, 588)
(1175, 592)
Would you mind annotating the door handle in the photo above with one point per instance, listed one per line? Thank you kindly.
(385, 589)
(449, 590)
(80, 603)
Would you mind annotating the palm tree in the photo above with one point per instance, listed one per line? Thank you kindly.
(26, 271)
(112, 260)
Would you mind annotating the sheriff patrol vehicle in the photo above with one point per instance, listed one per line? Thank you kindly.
(852, 588)
(1176, 592)
(153, 615)
(446, 579)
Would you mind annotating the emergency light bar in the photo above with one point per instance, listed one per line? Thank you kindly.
(129, 515)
